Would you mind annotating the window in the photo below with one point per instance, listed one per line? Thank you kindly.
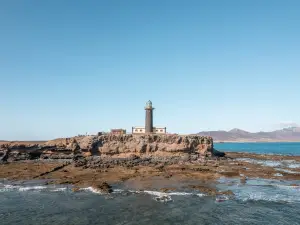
(136, 130)
(161, 130)
(140, 130)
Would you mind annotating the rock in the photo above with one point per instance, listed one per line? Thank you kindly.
(73, 146)
(75, 189)
(228, 192)
(168, 175)
(160, 167)
(103, 187)
(122, 150)
(205, 190)
(243, 180)
(167, 189)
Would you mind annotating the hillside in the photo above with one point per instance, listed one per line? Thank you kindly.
(238, 135)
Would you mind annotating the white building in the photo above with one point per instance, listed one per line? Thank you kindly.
(156, 130)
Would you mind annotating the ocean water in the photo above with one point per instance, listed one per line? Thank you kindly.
(259, 201)
(285, 148)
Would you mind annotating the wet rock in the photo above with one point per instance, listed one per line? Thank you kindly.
(230, 173)
(167, 189)
(164, 198)
(103, 187)
(204, 190)
(75, 189)
(228, 193)
(243, 180)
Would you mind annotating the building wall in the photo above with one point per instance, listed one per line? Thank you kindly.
(138, 130)
(118, 131)
(159, 130)
(142, 130)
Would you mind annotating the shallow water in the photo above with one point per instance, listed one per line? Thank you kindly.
(256, 202)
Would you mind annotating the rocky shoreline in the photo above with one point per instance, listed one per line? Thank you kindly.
(129, 150)
(140, 162)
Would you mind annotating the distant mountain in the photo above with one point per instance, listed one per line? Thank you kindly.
(238, 135)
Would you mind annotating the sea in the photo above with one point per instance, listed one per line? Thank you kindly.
(259, 201)
(281, 148)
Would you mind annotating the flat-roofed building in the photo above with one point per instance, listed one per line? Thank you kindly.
(118, 131)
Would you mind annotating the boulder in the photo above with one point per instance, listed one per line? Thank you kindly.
(103, 187)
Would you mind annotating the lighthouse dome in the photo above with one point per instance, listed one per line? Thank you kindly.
(149, 104)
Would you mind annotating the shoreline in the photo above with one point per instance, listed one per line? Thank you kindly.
(202, 176)
(140, 162)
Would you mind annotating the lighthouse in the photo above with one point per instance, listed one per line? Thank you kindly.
(149, 117)
(148, 128)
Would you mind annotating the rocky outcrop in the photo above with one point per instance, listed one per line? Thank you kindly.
(106, 150)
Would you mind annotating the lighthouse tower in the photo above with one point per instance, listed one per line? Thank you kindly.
(149, 117)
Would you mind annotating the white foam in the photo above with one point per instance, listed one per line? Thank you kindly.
(165, 198)
(91, 189)
(222, 198)
(59, 189)
(292, 164)
(287, 171)
(32, 188)
(259, 196)
(278, 175)
(201, 195)
(9, 187)
(118, 190)
(159, 194)
(156, 193)
(180, 193)
(264, 189)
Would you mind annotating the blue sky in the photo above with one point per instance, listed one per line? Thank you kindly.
(70, 67)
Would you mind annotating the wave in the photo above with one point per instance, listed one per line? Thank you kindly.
(261, 196)
(253, 190)
(166, 197)
(158, 193)
(292, 164)
(8, 187)
(263, 190)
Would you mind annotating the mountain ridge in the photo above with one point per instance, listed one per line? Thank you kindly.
(291, 134)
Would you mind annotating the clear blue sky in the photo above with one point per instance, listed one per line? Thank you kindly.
(70, 67)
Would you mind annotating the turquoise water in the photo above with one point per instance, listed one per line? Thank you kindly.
(285, 148)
